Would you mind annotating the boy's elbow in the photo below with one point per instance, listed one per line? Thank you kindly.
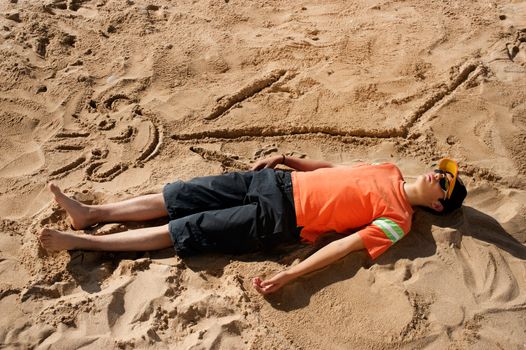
(352, 243)
(342, 248)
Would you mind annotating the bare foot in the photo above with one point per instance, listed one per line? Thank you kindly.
(78, 212)
(53, 240)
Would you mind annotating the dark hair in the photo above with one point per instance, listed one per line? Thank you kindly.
(453, 202)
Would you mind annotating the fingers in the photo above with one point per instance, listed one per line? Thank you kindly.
(257, 283)
(258, 166)
(264, 287)
(270, 289)
(266, 163)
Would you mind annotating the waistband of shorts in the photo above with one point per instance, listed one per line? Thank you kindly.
(284, 182)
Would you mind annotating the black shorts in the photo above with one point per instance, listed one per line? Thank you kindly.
(232, 213)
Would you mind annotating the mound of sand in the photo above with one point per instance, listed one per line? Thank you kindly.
(114, 98)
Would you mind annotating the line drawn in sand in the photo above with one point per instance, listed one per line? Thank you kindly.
(468, 75)
(225, 103)
(227, 161)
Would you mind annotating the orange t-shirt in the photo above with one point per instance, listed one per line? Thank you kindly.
(370, 198)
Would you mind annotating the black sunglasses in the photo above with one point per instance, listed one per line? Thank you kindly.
(444, 181)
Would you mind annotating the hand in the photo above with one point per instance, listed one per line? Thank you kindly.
(271, 285)
(270, 162)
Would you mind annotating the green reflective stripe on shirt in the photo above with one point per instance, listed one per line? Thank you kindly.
(390, 228)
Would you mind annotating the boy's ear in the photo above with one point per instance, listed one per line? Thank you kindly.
(437, 206)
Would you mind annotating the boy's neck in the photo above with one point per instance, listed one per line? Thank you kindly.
(412, 194)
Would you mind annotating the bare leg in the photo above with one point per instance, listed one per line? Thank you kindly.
(144, 239)
(141, 208)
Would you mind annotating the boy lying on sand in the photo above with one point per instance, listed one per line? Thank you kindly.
(256, 210)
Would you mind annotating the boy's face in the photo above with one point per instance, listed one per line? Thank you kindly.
(431, 190)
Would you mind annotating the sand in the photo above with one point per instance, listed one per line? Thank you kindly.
(115, 98)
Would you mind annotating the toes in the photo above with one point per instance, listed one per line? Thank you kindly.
(44, 241)
(44, 237)
(54, 188)
(44, 233)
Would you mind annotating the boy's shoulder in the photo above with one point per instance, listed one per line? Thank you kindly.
(363, 163)
(371, 165)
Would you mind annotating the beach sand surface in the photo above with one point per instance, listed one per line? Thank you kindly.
(115, 98)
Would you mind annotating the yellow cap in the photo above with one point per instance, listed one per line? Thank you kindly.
(449, 166)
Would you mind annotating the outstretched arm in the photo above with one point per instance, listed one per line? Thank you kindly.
(323, 257)
(292, 162)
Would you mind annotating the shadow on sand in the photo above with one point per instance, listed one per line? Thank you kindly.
(419, 243)
(89, 269)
